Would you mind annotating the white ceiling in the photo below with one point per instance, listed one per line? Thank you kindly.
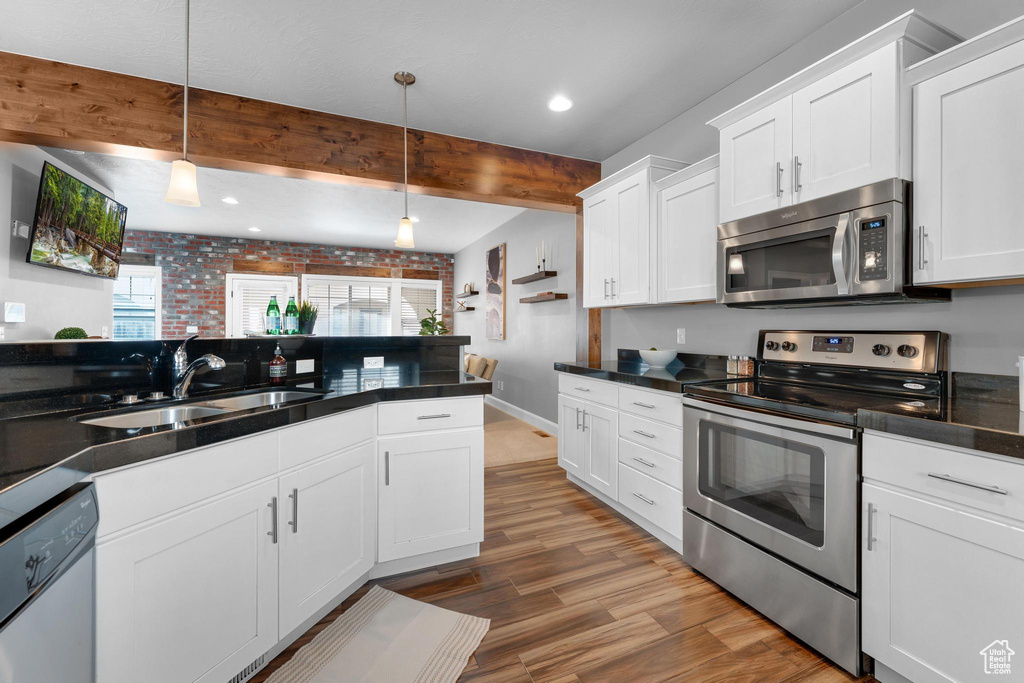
(287, 209)
(485, 69)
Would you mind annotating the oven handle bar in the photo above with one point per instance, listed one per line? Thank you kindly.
(753, 415)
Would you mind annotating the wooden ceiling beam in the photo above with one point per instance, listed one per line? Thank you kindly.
(49, 103)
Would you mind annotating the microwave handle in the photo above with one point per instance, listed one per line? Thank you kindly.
(839, 255)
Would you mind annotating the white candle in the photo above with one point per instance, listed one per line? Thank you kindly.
(543, 251)
(538, 257)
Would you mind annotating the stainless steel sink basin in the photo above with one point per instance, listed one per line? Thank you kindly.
(155, 417)
(267, 398)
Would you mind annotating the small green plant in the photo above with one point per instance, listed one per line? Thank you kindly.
(71, 333)
(307, 311)
(432, 325)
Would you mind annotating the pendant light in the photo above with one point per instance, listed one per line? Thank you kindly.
(183, 188)
(404, 239)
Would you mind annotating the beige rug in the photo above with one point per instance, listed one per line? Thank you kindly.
(509, 440)
(388, 638)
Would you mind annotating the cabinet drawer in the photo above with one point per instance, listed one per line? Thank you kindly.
(656, 406)
(593, 390)
(430, 414)
(931, 469)
(310, 440)
(135, 494)
(660, 437)
(652, 500)
(664, 468)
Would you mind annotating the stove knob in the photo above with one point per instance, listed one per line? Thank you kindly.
(771, 345)
(907, 351)
(881, 350)
(788, 346)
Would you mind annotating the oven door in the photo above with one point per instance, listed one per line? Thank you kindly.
(786, 485)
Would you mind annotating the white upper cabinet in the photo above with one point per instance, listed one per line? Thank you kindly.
(617, 225)
(686, 235)
(968, 147)
(841, 123)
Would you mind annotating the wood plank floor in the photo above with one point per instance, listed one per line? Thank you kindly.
(576, 592)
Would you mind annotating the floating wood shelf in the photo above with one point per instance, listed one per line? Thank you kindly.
(553, 296)
(466, 295)
(539, 275)
(467, 308)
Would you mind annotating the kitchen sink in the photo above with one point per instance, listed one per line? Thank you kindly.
(155, 417)
(267, 398)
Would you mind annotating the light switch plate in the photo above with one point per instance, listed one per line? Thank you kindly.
(304, 365)
(681, 335)
(14, 312)
(373, 362)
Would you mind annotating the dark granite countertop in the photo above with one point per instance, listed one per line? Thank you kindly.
(688, 368)
(43, 454)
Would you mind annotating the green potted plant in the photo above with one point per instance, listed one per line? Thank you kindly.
(307, 317)
(71, 333)
(432, 325)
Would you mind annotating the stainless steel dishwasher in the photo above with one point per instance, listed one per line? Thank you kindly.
(47, 592)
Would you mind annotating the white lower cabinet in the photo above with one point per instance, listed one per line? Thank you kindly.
(570, 435)
(191, 598)
(431, 492)
(601, 446)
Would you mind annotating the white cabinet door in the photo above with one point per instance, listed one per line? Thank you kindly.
(192, 598)
(570, 435)
(631, 275)
(601, 446)
(599, 214)
(687, 239)
(968, 149)
(430, 492)
(755, 162)
(846, 128)
(940, 584)
(327, 528)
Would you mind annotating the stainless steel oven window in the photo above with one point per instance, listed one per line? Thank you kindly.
(777, 481)
(803, 260)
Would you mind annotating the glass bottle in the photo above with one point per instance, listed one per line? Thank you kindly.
(273, 317)
(278, 367)
(291, 317)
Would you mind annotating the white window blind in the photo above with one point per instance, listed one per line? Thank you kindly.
(416, 299)
(248, 298)
(349, 307)
(137, 303)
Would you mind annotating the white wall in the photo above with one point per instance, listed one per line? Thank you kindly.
(53, 299)
(536, 335)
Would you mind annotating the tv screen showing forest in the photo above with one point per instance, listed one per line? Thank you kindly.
(76, 227)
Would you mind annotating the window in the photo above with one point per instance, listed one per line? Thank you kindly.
(137, 302)
(359, 307)
(417, 297)
(248, 297)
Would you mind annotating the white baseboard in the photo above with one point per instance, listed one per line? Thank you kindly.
(524, 415)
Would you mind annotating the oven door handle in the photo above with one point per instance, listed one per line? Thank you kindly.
(753, 415)
(840, 256)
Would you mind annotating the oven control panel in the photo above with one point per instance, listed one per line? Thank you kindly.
(909, 351)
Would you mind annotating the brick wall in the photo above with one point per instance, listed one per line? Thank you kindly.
(194, 267)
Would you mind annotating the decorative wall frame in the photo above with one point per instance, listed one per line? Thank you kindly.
(494, 300)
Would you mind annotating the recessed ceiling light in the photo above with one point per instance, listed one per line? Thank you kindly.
(254, 229)
(414, 219)
(229, 200)
(560, 103)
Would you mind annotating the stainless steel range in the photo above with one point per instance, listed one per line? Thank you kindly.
(771, 473)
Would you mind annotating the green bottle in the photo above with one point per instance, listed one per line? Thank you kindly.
(273, 317)
(291, 317)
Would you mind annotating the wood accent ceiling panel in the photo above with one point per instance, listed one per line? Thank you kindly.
(246, 266)
(416, 274)
(351, 271)
(44, 102)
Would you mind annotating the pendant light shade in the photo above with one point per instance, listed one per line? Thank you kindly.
(404, 238)
(184, 187)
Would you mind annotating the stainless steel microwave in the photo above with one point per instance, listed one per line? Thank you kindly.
(852, 247)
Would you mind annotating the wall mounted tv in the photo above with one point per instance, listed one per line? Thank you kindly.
(76, 227)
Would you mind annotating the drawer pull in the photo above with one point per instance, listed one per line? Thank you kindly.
(973, 485)
(643, 405)
(434, 417)
(645, 434)
(644, 462)
(583, 389)
(644, 499)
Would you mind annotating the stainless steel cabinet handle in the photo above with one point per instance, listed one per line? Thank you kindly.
(871, 526)
(387, 468)
(613, 287)
(577, 418)
(606, 288)
(641, 433)
(294, 524)
(643, 405)
(273, 519)
(644, 499)
(796, 174)
(973, 485)
(921, 236)
(433, 417)
(584, 419)
(778, 178)
(644, 462)
(583, 389)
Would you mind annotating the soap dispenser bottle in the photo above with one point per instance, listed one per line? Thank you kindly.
(278, 367)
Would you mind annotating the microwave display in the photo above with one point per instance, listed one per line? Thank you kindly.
(874, 250)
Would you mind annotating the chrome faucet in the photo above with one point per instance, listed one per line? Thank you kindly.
(185, 371)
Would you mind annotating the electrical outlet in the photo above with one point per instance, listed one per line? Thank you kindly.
(370, 383)
(105, 332)
(1, 331)
(501, 385)
(681, 335)
(373, 362)
(305, 365)
(192, 329)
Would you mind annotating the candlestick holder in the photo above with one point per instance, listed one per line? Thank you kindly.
(544, 264)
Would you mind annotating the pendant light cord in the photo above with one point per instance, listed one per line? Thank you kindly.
(184, 136)
(405, 140)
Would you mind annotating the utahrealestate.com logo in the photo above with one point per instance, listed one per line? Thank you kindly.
(997, 657)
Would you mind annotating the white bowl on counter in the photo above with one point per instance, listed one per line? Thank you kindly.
(659, 358)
